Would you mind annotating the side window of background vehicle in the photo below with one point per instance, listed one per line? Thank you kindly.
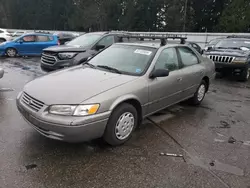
(107, 41)
(29, 38)
(188, 57)
(42, 38)
(167, 60)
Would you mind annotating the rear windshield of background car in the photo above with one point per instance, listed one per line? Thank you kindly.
(128, 59)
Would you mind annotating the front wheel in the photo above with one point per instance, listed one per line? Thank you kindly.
(121, 124)
(11, 52)
(244, 76)
(199, 94)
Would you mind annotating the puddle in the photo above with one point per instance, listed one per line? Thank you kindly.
(218, 140)
(215, 165)
(247, 143)
(226, 168)
(6, 89)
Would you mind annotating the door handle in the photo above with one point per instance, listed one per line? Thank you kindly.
(179, 79)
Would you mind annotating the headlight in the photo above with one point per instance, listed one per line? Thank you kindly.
(74, 110)
(240, 59)
(66, 55)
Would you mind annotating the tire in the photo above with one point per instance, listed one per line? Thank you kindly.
(2, 40)
(244, 76)
(199, 94)
(11, 52)
(115, 136)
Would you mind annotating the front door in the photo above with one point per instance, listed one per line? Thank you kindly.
(25, 45)
(192, 71)
(165, 91)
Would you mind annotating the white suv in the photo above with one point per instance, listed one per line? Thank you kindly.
(5, 35)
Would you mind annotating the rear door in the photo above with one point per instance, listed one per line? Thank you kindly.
(165, 91)
(192, 71)
(43, 41)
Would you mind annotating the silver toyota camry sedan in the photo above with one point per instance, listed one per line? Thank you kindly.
(110, 94)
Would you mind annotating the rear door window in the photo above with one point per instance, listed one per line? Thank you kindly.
(188, 57)
(42, 38)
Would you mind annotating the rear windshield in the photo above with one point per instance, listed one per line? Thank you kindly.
(127, 59)
(85, 40)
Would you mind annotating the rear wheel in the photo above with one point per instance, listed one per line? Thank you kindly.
(11, 52)
(199, 94)
(244, 76)
(121, 124)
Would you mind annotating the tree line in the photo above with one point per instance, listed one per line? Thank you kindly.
(128, 15)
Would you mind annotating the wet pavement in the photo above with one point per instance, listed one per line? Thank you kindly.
(212, 144)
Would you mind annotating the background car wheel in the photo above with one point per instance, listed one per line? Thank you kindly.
(121, 124)
(244, 75)
(2, 40)
(11, 52)
(199, 94)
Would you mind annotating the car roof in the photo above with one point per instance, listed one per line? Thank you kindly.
(150, 45)
(43, 34)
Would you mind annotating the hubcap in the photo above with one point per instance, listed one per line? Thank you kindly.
(11, 52)
(201, 92)
(124, 126)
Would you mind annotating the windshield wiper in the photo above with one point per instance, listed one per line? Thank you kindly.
(109, 68)
(89, 64)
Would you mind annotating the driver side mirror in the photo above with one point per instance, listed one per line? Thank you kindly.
(20, 41)
(159, 73)
(99, 47)
(209, 48)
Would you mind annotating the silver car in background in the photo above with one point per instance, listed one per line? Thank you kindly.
(1, 72)
(114, 91)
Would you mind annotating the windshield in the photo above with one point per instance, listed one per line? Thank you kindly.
(233, 44)
(213, 42)
(85, 40)
(126, 59)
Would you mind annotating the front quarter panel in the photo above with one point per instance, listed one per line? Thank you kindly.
(109, 100)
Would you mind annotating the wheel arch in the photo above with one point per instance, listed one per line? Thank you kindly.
(206, 79)
(132, 100)
(11, 47)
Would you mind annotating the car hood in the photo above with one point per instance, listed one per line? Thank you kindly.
(74, 85)
(229, 52)
(66, 48)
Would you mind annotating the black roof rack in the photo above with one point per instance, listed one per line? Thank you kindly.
(44, 32)
(239, 36)
(162, 37)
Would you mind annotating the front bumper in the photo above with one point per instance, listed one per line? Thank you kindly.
(58, 65)
(64, 128)
(230, 65)
(1, 72)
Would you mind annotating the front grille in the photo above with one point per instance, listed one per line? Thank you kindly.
(222, 59)
(48, 59)
(31, 102)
